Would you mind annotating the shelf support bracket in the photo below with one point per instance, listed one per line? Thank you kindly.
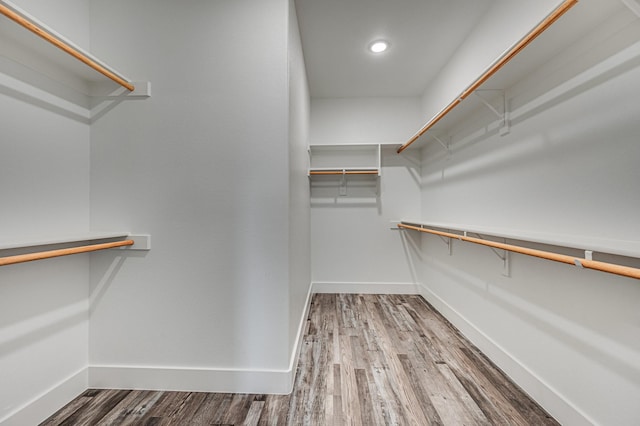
(506, 268)
(448, 242)
(444, 145)
(504, 126)
(343, 183)
(503, 255)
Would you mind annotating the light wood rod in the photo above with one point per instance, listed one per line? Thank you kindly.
(26, 23)
(497, 65)
(346, 172)
(21, 258)
(625, 271)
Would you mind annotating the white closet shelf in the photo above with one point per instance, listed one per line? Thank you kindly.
(497, 77)
(35, 45)
(141, 241)
(346, 159)
(625, 248)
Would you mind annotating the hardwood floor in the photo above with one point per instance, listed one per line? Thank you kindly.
(365, 360)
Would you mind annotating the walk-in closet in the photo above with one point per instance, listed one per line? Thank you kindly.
(270, 212)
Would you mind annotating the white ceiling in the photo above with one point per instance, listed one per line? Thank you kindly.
(423, 35)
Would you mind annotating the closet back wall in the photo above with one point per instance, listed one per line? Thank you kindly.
(353, 247)
(203, 166)
(44, 188)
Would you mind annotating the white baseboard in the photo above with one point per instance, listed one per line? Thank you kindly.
(364, 288)
(545, 395)
(295, 355)
(47, 403)
(203, 379)
(190, 379)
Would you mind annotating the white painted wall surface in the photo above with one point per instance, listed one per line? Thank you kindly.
(352, 245)
(299, 209)
(44, 188)
(569, 337)
(202, 166)
(364, 120)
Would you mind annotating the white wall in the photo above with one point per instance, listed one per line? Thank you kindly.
(352, 245)
(44, 187)
(364, 120)
(203, 166)
(569, 337)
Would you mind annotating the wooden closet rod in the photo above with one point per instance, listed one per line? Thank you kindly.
(625, 271)
(26, 23)
(506, 57)
(346, 172)
(21, 258)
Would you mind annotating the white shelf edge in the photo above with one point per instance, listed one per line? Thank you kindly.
(625, 248)
(364, 168)
(142, 91)
(378, 172)
(141, 241)
(354, 145)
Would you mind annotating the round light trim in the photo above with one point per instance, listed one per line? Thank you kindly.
(378, 46)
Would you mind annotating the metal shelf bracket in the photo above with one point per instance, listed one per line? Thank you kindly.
(448, 242)
(503, 255)
(343, 183)
(504, 126)
(444, 145)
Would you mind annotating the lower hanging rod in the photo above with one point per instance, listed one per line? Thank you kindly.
(611, 268)
(343, 172)
(21, 258)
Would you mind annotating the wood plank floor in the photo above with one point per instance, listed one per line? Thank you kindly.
(365, 360)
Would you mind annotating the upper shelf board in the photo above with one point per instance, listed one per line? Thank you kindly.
(141, 241)
(556, 39)
(354, 158)
(27, 42)
(616, 247)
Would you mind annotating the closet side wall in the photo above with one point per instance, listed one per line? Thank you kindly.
(203, 167)
(569, 337)
(44, 188)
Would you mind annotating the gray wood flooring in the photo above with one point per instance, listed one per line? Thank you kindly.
(365, 360)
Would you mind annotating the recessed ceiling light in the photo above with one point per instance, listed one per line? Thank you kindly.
(379, 46)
